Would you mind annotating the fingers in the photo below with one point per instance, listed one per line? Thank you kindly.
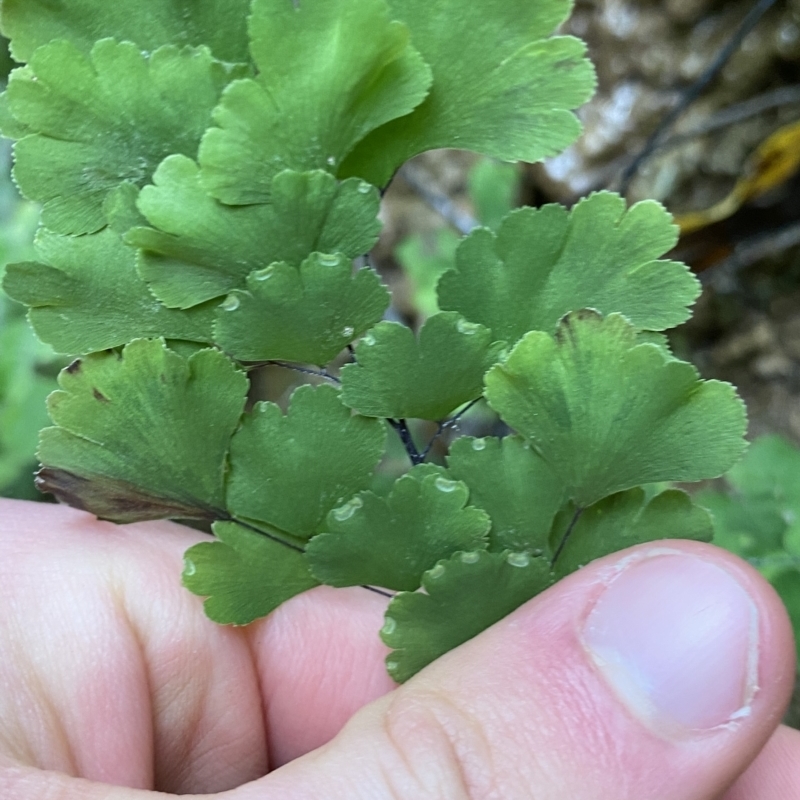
(650, 674)
(319, 659)
(111, 670)
(655, 673)
(775, 774)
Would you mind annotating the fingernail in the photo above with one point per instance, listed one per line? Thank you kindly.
(677, 638)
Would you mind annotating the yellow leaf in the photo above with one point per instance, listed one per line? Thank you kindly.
(775, 160)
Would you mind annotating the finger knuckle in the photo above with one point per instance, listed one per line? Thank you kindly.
(438, 750)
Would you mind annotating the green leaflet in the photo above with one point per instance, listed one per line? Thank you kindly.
(545, 262)
(391, 541)
(659, 339)
(628, 518)
(608, 414)
(421, 627)
(244, 575)
(511, 481)
(330, 71)
(464, 596)
(121, 210)
(204, 249)
(220, 24)
(105, 119)
(499, 86)
(143, 434)
(308, 314)
(9, 127)
(290, 471)
(87, 296)
(398, 377)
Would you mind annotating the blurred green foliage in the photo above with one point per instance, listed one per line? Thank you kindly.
(27, 367)
(757, 516)
(492, 187)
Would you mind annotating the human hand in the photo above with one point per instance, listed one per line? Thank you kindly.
(112, 676)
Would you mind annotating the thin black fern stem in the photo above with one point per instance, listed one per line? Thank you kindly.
(447, 425)
(401, 426)
(271, 536)
(292, 546)
(567, 533)
(439, 431)
(375, 590)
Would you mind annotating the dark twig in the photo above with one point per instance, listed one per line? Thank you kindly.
(447, 425)
(695, 90)
(438, 201)
(565, 537)
(739, 112)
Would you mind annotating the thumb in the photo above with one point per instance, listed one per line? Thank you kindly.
(659, 672)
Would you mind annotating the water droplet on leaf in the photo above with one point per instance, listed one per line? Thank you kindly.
(470, 558)
(348, 509)
(364, 188)
(444, 485)
(518, 559)
(436, 572)
(264, 274)
(347, 332)
(330, 260)
(389, 626)
(479, 444)
(467, 328)
(331, 161)
(190, 568)
(231, 303)
(369, 340)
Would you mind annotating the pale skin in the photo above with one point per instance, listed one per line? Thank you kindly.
(114, 686)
